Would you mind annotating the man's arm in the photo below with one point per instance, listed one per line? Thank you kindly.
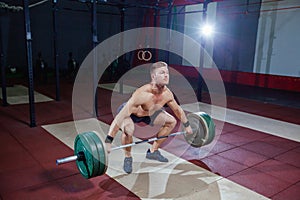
(125, 112)
(116, 125)
(117, 122)
(180, 114)
(178, 111)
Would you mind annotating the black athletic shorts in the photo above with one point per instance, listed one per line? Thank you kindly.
(149, 120)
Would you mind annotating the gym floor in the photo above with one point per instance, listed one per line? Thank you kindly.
(266, 164)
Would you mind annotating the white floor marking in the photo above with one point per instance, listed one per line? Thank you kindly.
(18, 94)
(116, 87)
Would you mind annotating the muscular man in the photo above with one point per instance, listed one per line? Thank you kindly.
(145, 105)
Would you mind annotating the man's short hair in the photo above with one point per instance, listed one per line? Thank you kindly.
(157, 65)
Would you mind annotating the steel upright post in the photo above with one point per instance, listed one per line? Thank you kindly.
(95, 43)
(203, 43)
(54, 10)
(29, 63)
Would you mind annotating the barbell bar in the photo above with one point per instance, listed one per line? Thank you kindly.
(91, 156)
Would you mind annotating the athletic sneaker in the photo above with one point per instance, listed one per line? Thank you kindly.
(127, 165)
(156, 156)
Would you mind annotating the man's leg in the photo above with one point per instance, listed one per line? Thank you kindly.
(127, 132)
(167, 123)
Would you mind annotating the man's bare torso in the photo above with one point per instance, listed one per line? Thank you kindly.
(144, 101)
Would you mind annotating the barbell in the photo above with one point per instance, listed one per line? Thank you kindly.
(91, 156)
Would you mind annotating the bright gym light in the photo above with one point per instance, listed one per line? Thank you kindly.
(207, 30)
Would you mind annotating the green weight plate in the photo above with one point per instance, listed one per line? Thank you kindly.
(95, 155)
(95, 158)
(101, 155)
(82, 145)
(203, 129)
(211, 128)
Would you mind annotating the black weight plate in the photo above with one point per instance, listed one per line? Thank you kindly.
(203, 129)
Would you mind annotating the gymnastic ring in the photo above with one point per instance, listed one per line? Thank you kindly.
(142, 55)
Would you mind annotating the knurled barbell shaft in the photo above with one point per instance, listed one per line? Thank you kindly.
(75, 157)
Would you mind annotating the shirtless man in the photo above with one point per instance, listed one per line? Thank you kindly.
(145, 105)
